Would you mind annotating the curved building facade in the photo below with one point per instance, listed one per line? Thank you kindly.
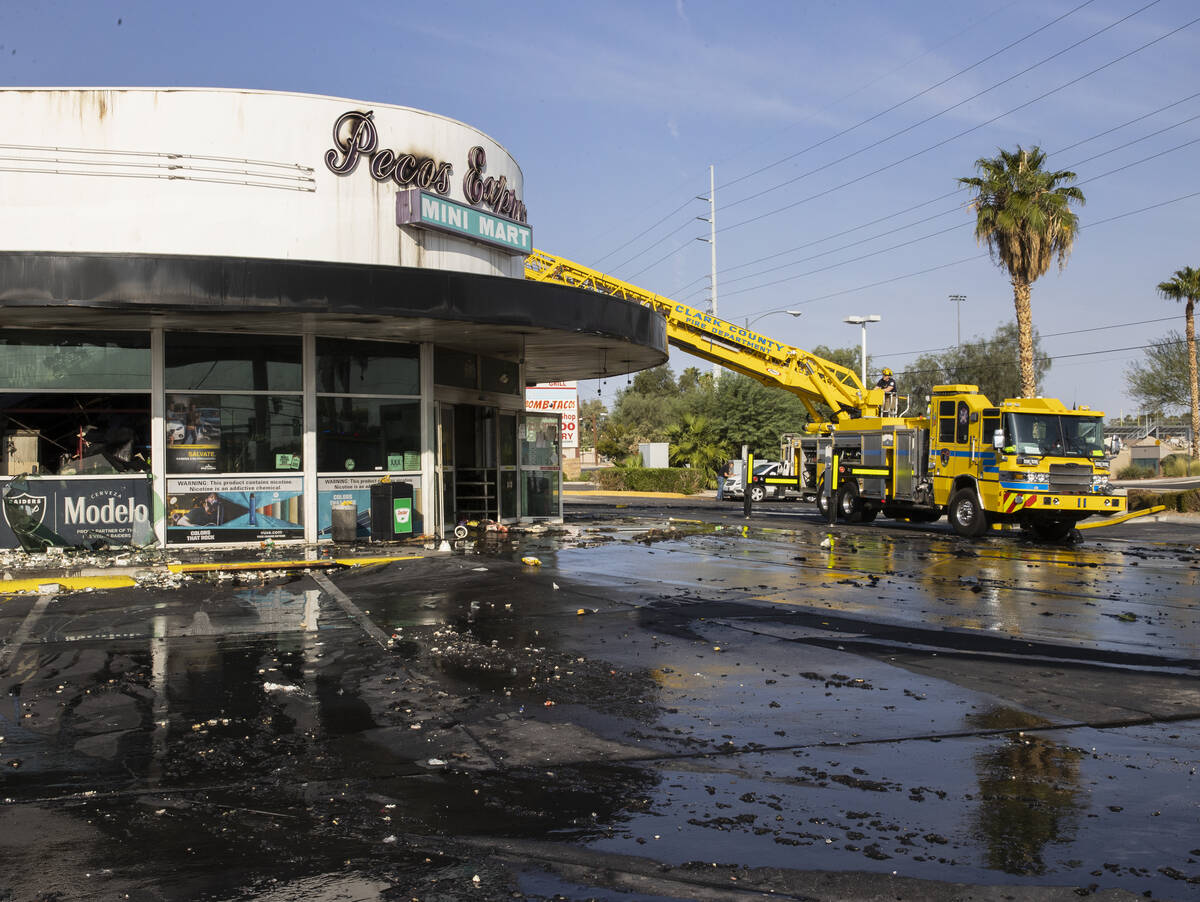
(233, 316)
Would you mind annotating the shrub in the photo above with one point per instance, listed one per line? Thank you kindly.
(1135, 472)
(644, 479)
(1182, 502)
(1175, 465)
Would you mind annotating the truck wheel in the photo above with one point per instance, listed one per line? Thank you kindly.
(1049, 530)
(757, 493)
(822, 501)
(966, 517)
(849, 505)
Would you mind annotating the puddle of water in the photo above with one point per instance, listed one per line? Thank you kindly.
(1084, 597)
(1004, 809)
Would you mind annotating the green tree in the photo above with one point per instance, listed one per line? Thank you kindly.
(1022, 213)
(847, 357)
(656, 380)
(591, 415)
(617, 441)
(694, 442)
(692, 379)
(645, 409)
(1185, 286)
(654, 400)
(755, 415)
(990, 363)
(1160, 380)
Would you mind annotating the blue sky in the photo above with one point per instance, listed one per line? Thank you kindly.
(837, 129)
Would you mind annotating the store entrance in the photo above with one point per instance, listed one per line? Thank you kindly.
(477, 462)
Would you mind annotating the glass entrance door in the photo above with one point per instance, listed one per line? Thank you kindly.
(476, 496)
(445, 465)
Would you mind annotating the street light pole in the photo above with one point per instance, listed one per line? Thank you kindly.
(748, 321)
(958, 299)
(863, 321)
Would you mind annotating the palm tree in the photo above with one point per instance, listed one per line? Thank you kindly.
(1023, 214)
(694, 443)
(1185, 286)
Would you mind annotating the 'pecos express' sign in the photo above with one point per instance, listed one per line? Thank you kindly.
(355, 140)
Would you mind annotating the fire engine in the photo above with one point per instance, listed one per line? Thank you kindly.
(1029, 461)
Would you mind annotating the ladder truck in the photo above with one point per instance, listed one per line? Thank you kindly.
(1031, 462)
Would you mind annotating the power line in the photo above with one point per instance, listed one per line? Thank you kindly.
(646, 231)
(948, 109)
(922, 238)
(897, 106)
(909, 209)
(1141, 322)
(921, 272)
(943, 142)
(1048, 358)
(961, 134)
(675, 231)
(995, 12)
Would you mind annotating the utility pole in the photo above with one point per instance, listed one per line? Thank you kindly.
(711, 219)
(958, 299)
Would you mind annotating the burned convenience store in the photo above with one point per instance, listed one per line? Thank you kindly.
(226, 315)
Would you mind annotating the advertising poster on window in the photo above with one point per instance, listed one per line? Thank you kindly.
(234, 509)
(560, 398)
(75, 513)
(193, 433)
(337, 491)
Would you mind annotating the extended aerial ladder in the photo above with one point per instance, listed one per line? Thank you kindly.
(810, 378)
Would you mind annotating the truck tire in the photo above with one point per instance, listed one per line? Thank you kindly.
(966, 516)
(822, 501)
(849, 504)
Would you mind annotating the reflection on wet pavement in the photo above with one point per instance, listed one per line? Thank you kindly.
(688, 696)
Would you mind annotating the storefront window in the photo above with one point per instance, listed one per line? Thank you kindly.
(73, 433)
(540, 440)
(539, 493)
(233, 403)
(540, 473)
(33, 360)
(500, 376)
(455, 368)
(368, 434)
(367, 368)
(206, 361)
(233, 433)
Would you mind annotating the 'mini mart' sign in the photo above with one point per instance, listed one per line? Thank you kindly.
(415, 207)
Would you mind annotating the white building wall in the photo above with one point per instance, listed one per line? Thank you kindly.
(215, 172)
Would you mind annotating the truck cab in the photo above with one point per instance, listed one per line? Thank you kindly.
(1029, 461)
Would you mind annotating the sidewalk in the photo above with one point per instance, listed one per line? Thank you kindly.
(590, 488)
(60, 569)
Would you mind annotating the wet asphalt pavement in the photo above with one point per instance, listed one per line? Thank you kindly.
(676, 704)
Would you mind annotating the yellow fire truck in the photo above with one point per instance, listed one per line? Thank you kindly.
(1029, 461)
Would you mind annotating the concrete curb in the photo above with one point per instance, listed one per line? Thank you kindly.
(51, 580)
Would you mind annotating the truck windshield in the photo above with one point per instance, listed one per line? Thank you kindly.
(1054, 434)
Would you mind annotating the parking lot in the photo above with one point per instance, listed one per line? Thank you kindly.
(673, 702)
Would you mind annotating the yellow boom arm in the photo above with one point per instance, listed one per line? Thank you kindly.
(812, 379)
